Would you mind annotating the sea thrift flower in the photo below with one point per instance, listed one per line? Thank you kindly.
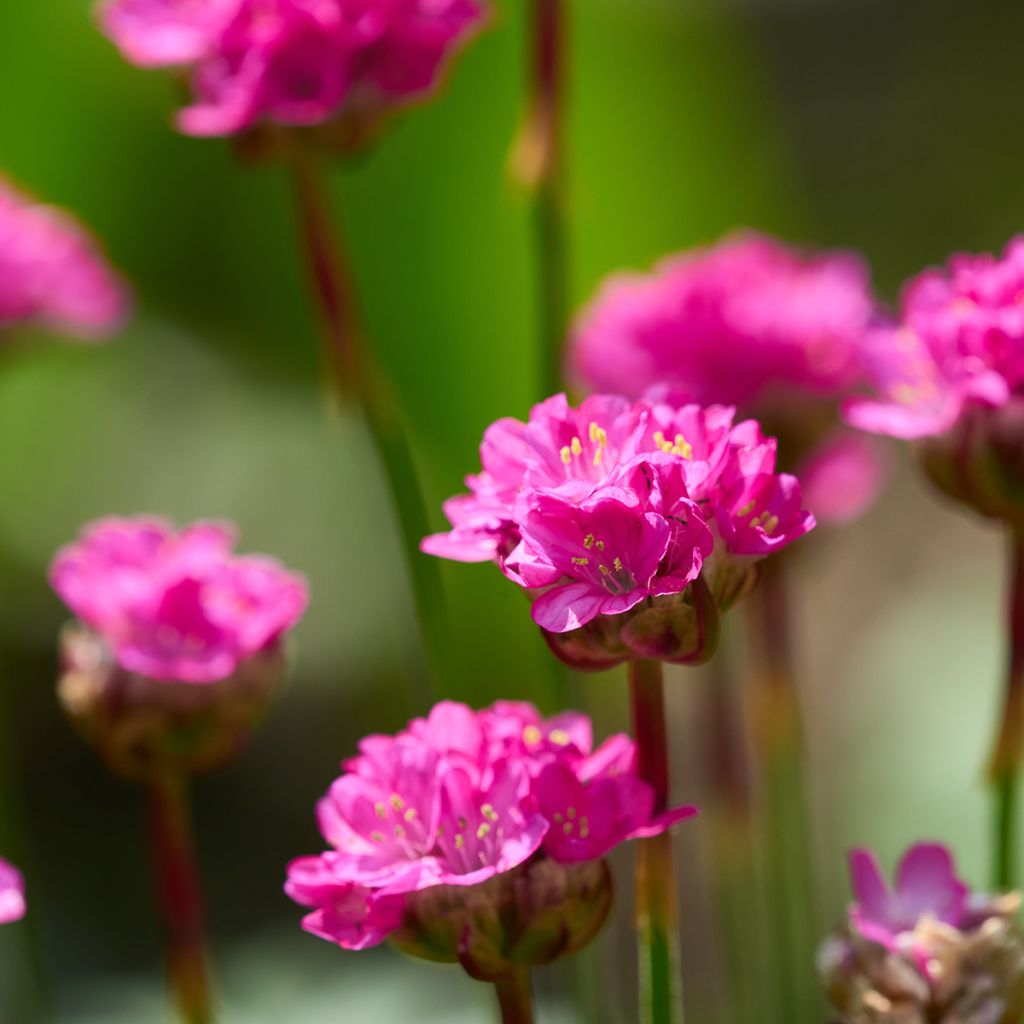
(177, 647)
(12, 893)
(950, 376)
(293, 62)
(925, 949)
(472, 836)
(617, 506)
(749, 322)
(52, 274)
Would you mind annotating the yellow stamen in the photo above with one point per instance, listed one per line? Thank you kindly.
(576, 447)
(531, 735)
(618, 564)
(588, 541)
(483, 830)
(489, 812)
(559, 736)
(566, 455)
(581, 561)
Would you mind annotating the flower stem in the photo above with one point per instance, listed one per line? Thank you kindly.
(1005, 764)
(514, 997)
(657, 923)
(358, 378)
(180, 895)
(779, 768)
(538, 161)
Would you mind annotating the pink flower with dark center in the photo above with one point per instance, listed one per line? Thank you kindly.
(52, 274)
(457, 799)
(176, 605)
(597, 509)
(926, 886)
(12, 893)
(293, 62)
(959, 341)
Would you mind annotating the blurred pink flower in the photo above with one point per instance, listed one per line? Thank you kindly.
(52, 273)
(176, 605)
(294, 62)
(926, 886)
(457, 799)
(959, 341)
(12, 893)
(842, 476)
(597, 508)
(738, 322)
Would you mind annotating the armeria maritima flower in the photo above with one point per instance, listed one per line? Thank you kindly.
(604, 508)
(52, 274)
(176, 605)
(925, 949)
(751, 322)
(470, 826)
(12, 893)
(294, 62)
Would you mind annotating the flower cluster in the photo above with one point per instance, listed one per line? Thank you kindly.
(959, 340)
(176, 605)
(12, 893)
(597, 509)
(926, 949)
(51, 272)
(754, 323)
(294, 62)
(454, 810)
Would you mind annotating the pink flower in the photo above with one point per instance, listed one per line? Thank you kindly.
(457, 799)
(52, 274)
(734, 323)
(926, 887)
(12, 893)
(176, 605)
(294, 62)
(958, 342)
(597, 509)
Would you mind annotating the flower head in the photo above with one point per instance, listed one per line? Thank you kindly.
(51, 272)
(925, 948)
(459, 800)
(600, 510)
(12, 893)
(293, 62)
(176, 605)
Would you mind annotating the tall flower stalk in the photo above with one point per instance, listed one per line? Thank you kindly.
(1008, 754)
(358, 380)
(539, 163)
(515, 999)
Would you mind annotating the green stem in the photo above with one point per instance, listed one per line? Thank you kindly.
(1005, 764)
(180, 895)
(514, 997)
(358, 378)
(780, 772)
(540, 163)
(657, 922)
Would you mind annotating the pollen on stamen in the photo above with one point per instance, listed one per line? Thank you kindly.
(381, 810)
(483, 830)
(576, 446)
(559, 737)
(399, 832)
(532, 735)
(604, 570)
(581, 561)
(410, 814)
(597, 456)
(377, 837)
(748, 508)
(600, 545)
(396, 801)
(588, 541)
(683, 447)
(571, 812)
(565, 454)
(460, 841)
(618, 564)
(567, 828)
(489, 812)
(584, 828)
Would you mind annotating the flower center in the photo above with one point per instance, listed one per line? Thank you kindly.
(609, 573)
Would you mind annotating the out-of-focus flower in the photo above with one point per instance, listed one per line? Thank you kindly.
(608, 508)
(751, 322)
(925, 949)
(473, 835)
(52, 274)
(176, 605)
(12, 893)
(177, 650)
(950, 375)
(293, 62)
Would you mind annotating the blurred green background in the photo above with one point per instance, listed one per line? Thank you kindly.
(890, 126)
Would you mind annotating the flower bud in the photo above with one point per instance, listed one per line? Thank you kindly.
(536, 914)
(138, 724)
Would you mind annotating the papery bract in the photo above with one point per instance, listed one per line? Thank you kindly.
(12, 893)
(53, 274)
(176, 605)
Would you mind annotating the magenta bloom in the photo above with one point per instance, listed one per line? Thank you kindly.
(926, 886)
(52, 274)
(12, 893)
(176, 605)
(597, 509)
(959, 341)
(294, 62)
(456, 800)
